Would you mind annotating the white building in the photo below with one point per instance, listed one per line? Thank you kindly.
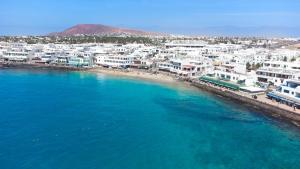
(235, 73)
(186, 67)
(291, 88)
(288, 93)
(276, 72)
(115, 61)
(15, 56)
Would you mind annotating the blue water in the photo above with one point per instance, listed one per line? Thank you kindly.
(69, 120)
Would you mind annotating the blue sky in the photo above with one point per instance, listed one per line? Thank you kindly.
(196, 17)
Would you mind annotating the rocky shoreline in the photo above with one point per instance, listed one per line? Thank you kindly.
(263, 107)
(39, 66)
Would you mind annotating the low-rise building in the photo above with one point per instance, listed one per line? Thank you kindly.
(276, 72)
(79, 61)
(15, 56)
(115, 61)
(287, 93)
(186, 67)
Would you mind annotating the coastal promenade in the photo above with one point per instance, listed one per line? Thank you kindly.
(265, 100)
(261, 103)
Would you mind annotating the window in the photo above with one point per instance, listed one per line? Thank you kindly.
(286, 91)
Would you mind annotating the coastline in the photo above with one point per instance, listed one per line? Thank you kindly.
(260, 105)
(133, 73)
(38, 66)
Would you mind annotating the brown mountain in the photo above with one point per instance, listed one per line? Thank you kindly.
(98, 29)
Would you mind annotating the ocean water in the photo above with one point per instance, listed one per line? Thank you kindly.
(71, 120)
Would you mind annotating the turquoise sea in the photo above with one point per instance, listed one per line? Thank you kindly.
(71, 120)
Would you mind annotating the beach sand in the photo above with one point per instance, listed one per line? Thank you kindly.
(160, 77)
(163, 78)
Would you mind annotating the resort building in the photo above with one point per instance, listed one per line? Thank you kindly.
(276, 72)
(288, 93)
(186, 67)
(79, 61)
(235, 73)
(115, 61)
(15, 56)
(48, 57)
(62, 60)
(142, 64)
(290, 88)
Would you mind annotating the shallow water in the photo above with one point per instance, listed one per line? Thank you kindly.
(63, 120)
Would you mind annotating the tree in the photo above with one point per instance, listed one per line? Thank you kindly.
(248, 66)
(264, 45)
(253, 66)
(257, 66)
(293, 59)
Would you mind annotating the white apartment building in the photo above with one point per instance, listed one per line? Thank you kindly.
(288, 93)
(235, 73)
(114, 61)
(291, 88)
(15, 56)
(281, 54)
(276, 72)
(186, 67)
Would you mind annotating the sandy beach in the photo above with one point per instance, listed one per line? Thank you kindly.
(139, 74)
(164, 78)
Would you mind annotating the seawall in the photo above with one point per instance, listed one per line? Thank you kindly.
(267, 109)
(40, 66)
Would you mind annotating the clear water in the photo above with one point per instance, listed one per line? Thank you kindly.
(60, 120)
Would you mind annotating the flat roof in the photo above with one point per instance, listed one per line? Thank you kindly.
(253, 89)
